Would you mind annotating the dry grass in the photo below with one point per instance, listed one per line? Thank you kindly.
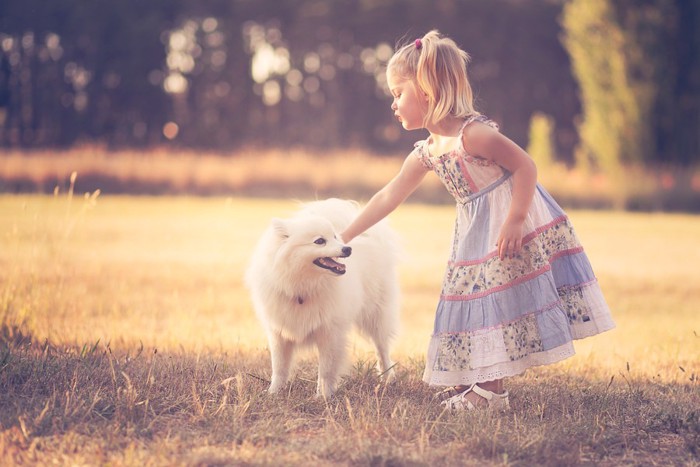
(127, 338)
(249, 171)
(306, 174)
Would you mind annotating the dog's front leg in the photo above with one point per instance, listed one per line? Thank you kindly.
(385, 364)
(282, 355)
(332, 351)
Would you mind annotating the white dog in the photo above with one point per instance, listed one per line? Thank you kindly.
(304, 295)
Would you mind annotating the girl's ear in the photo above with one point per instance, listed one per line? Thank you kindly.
(279, 227)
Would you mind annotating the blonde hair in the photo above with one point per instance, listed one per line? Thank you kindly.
(439, 68)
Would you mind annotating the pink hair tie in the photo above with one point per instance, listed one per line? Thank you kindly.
(419, 44)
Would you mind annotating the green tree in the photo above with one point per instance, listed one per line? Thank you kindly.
(541, 139)
(618, 53)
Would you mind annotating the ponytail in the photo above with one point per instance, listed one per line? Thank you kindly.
(439, 68)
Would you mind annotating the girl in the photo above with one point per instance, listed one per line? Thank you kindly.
(518, 287)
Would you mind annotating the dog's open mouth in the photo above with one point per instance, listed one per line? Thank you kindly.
(331, 264)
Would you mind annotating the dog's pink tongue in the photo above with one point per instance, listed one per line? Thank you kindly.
(330, 263)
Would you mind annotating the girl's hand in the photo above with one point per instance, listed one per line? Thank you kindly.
(510, 239)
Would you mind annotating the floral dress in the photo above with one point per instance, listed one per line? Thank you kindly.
(496, 318)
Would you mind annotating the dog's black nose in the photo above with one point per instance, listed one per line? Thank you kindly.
(347, 250)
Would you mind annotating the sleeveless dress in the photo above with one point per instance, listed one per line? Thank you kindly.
(496, 318)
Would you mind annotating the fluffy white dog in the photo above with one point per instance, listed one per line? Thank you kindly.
(310, 289)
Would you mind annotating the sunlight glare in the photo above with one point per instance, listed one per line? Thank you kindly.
(175, 83)
(170, 130)
(271, 92)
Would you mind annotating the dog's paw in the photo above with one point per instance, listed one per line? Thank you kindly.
(323, 397)
(389, 376)
(274, 388)
(325, 390)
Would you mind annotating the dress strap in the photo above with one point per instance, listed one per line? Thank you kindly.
(422, 153)
(478, 117)
(475, 117)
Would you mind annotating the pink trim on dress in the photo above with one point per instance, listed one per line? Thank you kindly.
(526, 239)
(468, 178)
(545, 227)
(570, 251)
(513, 283)
(473, 262)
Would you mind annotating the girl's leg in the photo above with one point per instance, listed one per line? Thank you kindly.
(495, 386)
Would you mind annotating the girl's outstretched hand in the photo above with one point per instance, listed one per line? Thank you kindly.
(510, 239)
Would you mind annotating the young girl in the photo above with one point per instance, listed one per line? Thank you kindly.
(518, 287)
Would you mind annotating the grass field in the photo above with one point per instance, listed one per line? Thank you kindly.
(127, 338)
(301, 172)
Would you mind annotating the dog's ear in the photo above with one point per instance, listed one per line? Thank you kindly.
(279, 227)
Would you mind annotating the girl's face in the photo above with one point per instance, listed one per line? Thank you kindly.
(410, 105)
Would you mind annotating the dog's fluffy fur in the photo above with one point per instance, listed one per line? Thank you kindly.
(304, 295)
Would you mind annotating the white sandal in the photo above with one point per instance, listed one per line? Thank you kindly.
(494, 401)
(446, 393)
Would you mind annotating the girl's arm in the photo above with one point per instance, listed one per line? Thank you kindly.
(484, 141)
(388, 198)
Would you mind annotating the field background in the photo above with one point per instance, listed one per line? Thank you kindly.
(138, 141)
(309, 173)
(127, 337)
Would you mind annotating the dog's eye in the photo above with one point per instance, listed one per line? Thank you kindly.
(320, 241)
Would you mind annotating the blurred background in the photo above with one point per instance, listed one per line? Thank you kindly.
(132, 94)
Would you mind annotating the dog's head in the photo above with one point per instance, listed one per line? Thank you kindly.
(309, 241)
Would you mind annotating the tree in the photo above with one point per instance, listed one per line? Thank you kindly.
(619, 53)
(541, 142)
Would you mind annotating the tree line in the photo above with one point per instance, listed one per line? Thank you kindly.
(619, 79)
